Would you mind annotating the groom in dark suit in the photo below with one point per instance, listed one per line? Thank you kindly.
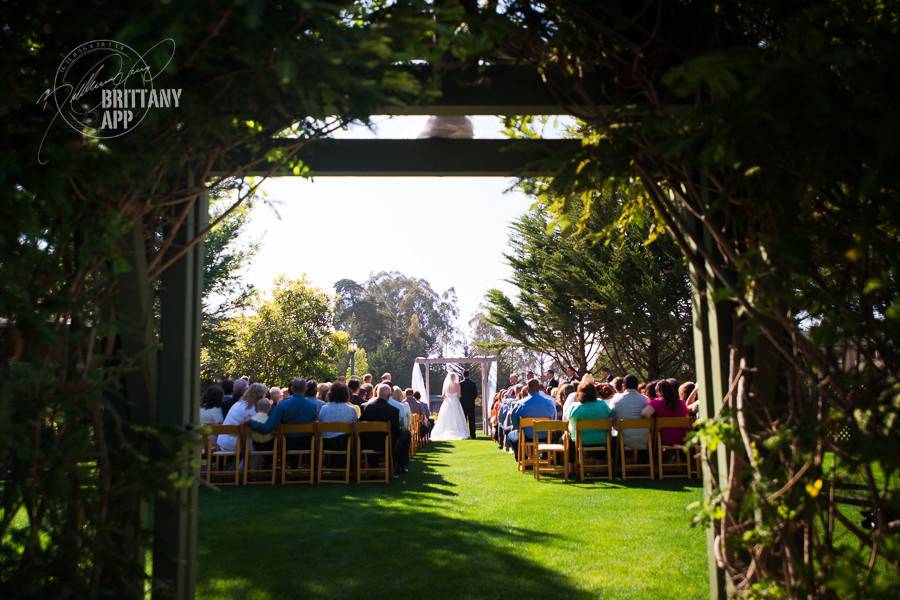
(467, 394)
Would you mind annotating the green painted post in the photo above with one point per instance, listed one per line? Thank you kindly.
(175, 520)
(712, 333)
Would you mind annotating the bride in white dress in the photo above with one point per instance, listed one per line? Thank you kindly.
(451, 422)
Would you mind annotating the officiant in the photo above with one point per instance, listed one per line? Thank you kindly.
(468, 392)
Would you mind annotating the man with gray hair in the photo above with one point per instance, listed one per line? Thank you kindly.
(240, 387)
(379, 409)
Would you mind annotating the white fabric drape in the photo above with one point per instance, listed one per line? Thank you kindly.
(487, 397)
(418, 382)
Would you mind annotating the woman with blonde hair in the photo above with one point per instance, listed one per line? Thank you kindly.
(239, 413)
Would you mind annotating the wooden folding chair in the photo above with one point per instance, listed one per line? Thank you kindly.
(680, 450)
(364, 454)
(525, 450)
(307, 450)
(552, 448)
(251, 455)
(414, 433)
(623, 425)
(324, 469)
(215, 457)
(585, 468)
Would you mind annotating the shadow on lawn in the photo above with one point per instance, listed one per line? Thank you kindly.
(365, 541)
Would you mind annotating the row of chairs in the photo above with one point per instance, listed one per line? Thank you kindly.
(307, 460)
(550, 441)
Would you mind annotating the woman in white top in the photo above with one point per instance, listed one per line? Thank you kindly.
(241, 412)
(211, 406)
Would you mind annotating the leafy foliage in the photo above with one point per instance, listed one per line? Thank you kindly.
(624, 303)
(289, 335)
(226, 254)
(398, 318)
(87, 236)
(759, 136)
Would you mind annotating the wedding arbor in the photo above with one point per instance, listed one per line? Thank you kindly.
(421, 383)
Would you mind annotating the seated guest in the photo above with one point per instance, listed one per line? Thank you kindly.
(628, 405)
(588, 407)
(570, 399)
(322, 391)
(650, 389)
(605, 392)
(667, 404)
(511, 390)
(228, 390)
(366, 392)
(239, 388)
(296, 409)
(241, 412)
(380, 410)
(618, 384)
(415, 407)
(312, 393)
(353, 386)
(337, 410)
(536, 406)
(262, 441)
(275, 395)
(426, 409)
(396, 400)
(211, 406)
(687, 391)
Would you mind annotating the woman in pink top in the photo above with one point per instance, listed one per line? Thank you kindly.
(667, 404)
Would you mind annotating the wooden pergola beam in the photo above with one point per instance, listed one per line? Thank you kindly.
(432, 157)
(507, 90)
(452, 360)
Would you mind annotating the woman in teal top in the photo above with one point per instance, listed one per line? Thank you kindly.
(589, 408)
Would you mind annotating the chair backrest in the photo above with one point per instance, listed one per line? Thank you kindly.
(623, 424)
(528, 422)
(372, 427)
(224, 429)
(673, 422)
(335, 427)
(298, 427)
(593, 424)
(546, 425)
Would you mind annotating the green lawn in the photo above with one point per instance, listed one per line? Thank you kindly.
(462, 524)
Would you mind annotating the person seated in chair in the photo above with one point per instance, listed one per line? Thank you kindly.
(337, 410)
(535, 406)
(629, 405)
(296, 409)
(380, 410)
(667, 404)
(587, 408)
(415, 407)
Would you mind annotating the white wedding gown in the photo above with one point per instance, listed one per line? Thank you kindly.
(451, 422)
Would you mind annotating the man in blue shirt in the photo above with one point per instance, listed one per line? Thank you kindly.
(535, 406)
(296, 409)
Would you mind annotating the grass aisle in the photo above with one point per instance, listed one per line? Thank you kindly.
(462, 524)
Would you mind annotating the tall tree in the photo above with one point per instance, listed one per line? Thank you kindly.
(290, 334)
(226, 254)
(397, 318)
(488, 338)
(550, 314)
(760, 136)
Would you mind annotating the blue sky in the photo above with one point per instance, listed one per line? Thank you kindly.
(452, 231)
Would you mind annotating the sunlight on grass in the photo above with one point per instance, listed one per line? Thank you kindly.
(462, 524)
